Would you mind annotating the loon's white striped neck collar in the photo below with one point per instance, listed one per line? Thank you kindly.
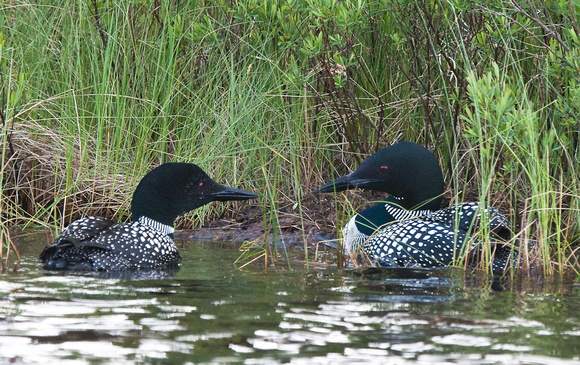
(164, 228)
(401, 214)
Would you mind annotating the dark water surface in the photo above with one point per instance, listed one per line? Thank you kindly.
(211, 312)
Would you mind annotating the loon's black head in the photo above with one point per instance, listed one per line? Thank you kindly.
(407, 171)
(173, 189)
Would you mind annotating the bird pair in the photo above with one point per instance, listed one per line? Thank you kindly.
(406, 230)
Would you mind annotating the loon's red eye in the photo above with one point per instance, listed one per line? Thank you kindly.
(384, 169)
(201, 185)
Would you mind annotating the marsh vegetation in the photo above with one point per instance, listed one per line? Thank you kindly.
(280, 96)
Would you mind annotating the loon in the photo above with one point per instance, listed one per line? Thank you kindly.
(100, 244)
(408, 229)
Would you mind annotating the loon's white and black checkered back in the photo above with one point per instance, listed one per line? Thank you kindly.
(430, 239)
(97, 244)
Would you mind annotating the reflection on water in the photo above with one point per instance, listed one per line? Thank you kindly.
(208, 312)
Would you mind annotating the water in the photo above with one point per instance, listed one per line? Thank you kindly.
(211, 312)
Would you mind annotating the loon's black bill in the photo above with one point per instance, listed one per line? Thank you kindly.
(227, 193)
(345, 183)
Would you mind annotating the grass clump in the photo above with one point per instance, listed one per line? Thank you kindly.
(280, 96)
